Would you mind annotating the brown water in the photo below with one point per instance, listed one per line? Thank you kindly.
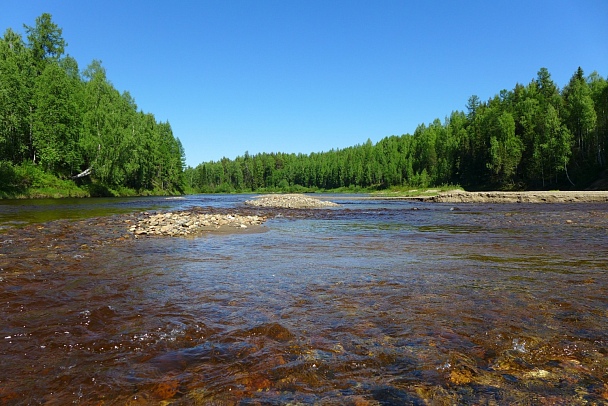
(378, 303)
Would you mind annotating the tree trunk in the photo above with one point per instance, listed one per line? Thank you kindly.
(84, 173)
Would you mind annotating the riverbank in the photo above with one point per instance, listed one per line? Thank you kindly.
(30, 181)
(459, 196)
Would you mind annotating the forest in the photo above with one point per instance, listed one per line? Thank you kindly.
(67, 132)
(64, 132)
(534, 137)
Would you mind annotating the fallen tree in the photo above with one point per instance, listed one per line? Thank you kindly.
(84, 173)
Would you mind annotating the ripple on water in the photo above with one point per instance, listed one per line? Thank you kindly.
(379, 306)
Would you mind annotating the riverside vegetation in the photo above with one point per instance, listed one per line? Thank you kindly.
(66, 132)
(533, 137)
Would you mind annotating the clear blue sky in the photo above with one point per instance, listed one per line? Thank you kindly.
(311, 75)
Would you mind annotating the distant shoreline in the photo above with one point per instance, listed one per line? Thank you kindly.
(459, 196)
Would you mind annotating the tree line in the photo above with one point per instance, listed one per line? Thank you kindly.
(534, 136)
(55, 119)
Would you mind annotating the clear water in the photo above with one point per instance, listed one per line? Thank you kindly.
(378, 302)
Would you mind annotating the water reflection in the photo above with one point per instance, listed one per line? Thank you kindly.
(498, 304)
(19, 212)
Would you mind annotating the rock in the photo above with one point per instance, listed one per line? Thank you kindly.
(537, 373)
(461, 376)
(167, 389)
(191, 222)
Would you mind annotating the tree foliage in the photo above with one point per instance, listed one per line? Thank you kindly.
(67, 122)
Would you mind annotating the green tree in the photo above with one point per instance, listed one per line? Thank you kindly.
(16, 88)
(45, 40)
(457, 133)
(548, 91)
(505, 148)
(99, 125)
(425, 139)
(558, 143)
(580, 115)
(599, 93)
(529, 115)
(56, 121)
(472, 145)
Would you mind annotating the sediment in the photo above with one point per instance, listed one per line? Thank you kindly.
(198, 220)
(191, 222)
(289, 201)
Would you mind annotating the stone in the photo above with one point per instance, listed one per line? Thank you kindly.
(461, 376)
(190, 222)
(167, 389)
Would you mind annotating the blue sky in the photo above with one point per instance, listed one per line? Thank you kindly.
(308, 76)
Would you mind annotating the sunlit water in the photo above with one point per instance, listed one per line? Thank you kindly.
(381, 302)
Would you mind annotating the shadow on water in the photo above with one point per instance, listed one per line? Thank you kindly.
(20, 212)
(27, 211)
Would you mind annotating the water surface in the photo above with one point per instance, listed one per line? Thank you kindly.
(379, 302)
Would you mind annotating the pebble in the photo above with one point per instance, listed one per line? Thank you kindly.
(290, 201)
(190, 223)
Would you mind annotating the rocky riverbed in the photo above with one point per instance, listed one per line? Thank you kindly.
(290, 201)
(495, 305)
(197, 221)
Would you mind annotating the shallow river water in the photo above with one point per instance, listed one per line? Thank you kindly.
(373, 303)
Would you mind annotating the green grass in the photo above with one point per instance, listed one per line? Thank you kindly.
(404, 191)
(28, 180)
(411, 191)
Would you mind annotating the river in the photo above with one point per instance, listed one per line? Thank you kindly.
(376, 302)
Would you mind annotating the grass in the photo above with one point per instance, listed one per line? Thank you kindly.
(29, 181)
(401, 191)
(410, 191)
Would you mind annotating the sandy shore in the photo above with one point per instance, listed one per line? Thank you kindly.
(459, 196)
